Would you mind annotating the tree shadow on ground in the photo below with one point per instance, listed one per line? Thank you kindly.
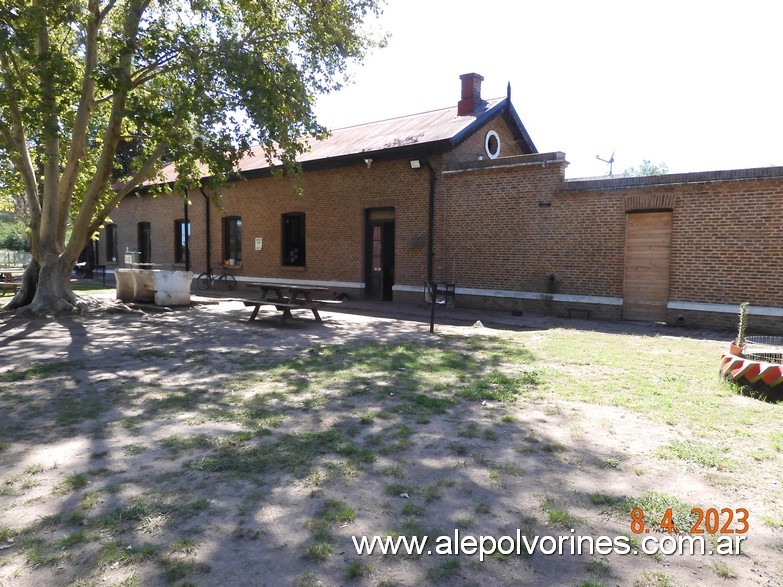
(196, 446)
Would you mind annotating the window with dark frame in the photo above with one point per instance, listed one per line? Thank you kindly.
(181, 239)
(232, 239)
(293, 232)
(111, 243)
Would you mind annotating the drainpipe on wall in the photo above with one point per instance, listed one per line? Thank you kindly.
(431, 245)
(209, 238)
(187, 236)
(431, 223)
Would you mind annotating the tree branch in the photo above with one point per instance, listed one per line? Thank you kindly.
(144, 172)
(79, 134)
(111, 137)
(51, 141)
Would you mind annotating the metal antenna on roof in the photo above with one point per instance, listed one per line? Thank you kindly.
(610, 161)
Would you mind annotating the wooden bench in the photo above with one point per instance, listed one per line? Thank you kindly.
(12, 287)
(8, 283)
(286, 307)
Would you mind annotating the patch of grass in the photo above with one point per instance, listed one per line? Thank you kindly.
(319, 551)
(464, 523)
(654, 505)
(396, 489)
(723, 570)
(699, 453)
(482, 508)
(498, 386)
(178, 442)
(599, 567)
(776, 441)
(357, 569)
(153, 353)
(184, 546)
(772, 521)
(470, 430)
(393, 471)
(654, 579)
(134, 449)
(294, 453)
(592, 583)
(610, 501)
(33, 469)
(71, 483)
(443, 572)
(557, 516)
(433, 491)
(309, 579)
(490, 434)
(38, 553)
(337, 511)
(36, 371)
(412, 509)
(761, 454)
(121, 553)
(553, 447)
(120, 518)
(71, 411)
(72, 539)
(420, 404)
(175, 570)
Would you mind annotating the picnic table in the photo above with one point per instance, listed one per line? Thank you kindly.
(7, 283)
(287, 297)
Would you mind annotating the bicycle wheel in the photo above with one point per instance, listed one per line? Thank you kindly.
(203, 281)
(227, 282)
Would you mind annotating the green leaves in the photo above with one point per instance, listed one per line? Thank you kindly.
(198, 81)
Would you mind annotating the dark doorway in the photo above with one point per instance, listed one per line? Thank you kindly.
(145, 242)
(379, 254)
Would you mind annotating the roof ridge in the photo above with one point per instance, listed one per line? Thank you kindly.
(408, 115)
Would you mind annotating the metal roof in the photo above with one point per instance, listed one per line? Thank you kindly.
(437, 126)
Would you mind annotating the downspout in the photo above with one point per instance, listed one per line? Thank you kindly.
(431, 222)
(431, 245)
(187, 236)
(209, 238)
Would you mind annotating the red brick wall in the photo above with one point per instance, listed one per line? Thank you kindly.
(508, 224)
(160, 212)
(473, 146)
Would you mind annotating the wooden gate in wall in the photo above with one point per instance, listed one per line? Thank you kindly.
(648, 237)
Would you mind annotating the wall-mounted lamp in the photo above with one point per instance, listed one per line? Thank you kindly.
(415, 164)
(368, 162)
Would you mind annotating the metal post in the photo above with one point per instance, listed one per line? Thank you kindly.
(433, 301)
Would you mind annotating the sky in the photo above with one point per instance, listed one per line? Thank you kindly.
(696, 85)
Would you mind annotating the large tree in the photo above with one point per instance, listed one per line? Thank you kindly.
(195, 82)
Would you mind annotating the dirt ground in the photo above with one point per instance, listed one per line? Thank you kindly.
(134, 452)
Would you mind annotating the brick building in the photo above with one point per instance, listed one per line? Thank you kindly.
(461, 195)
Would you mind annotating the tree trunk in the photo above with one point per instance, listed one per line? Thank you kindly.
(46, 289)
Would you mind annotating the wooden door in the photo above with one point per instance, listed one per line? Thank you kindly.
(648, 237)
(145, 242)
(379, 255)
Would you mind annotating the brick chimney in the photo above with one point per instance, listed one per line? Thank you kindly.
(471, 93)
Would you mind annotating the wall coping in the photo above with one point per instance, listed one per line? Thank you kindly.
(619, 183)
(540, 159)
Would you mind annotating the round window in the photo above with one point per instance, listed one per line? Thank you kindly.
(492, 144)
